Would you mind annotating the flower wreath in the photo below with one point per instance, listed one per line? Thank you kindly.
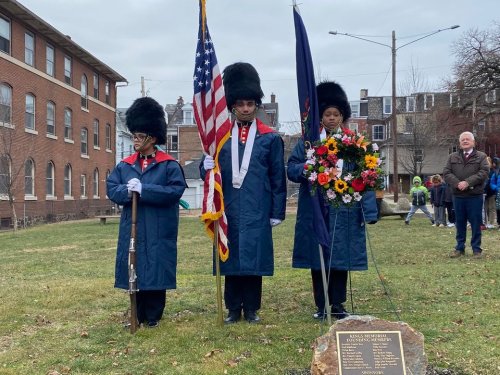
(343, 166)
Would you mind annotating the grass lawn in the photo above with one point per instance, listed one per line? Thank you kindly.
(59, 312)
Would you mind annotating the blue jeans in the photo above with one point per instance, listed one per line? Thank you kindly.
(468, 209)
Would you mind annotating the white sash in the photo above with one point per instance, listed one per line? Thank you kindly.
(240, 173)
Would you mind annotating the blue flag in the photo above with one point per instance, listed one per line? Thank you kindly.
(309, 117)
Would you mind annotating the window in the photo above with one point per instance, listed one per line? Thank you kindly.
(5, 104)
(454, 100)
(188, 117)
(409, 126)
(428, 101)
(354, 110)
(96, 86)
(108, 137)
(68, 128)
(29, 48)
(96, 183)
(387, 105)
(353, 126)
(453, 149)
(410, 104)
(83, 185)
(378, 132)
(4, 175)
(83, 92)
(490, 96)
(51, 118)
(481, 125)
(67, 70)
(49, 179)
(84, 140)
(49, 60)
(419, 155)
(96, 133)
(67, 181)
(29, 177)
(172, 142)
(363, 109)
(106, 92)
(4, 35)
(29, 117)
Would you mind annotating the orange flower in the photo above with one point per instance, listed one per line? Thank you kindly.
(361, 143)
(323, 178)
(370, 161)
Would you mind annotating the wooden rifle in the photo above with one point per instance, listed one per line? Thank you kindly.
(132, 275)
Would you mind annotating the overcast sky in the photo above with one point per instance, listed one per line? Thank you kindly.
(156, 39)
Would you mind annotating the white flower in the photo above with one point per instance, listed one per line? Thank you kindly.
(313, 177)
(346, 198)
(311, 161)
(348, 177)
(331, 194)
(310, 153)
(357, 196)
(375, 146)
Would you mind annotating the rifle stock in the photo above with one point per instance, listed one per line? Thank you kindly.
(132, 275)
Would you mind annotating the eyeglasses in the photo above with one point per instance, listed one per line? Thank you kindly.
(139, 136)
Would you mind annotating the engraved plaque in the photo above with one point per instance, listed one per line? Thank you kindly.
(370, 353)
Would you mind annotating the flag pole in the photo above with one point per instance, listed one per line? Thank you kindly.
(327, 308)
(218, 281)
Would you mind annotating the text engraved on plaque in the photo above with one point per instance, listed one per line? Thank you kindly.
(370, 353)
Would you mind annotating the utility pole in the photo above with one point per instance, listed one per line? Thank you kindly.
(143, 88)
(394, 123)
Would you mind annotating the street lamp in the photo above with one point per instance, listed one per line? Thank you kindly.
(394, 121)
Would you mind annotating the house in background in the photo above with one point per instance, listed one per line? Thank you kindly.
(57, 122)
(124, 141)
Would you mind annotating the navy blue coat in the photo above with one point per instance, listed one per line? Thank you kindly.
(157, 220)
(346, 225)
(249, 209)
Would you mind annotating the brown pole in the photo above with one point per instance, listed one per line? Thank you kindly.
(220, 317)
(394, 122)
(132, 275)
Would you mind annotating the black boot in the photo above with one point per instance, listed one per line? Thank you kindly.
(339, 312)
(233, 316)
(251, 316)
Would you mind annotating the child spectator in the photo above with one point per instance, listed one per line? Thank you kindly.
(419, 195)
(438, 192)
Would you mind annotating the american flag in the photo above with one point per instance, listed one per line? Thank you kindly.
(213, 122)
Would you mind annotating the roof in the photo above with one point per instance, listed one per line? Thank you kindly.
(23, 14)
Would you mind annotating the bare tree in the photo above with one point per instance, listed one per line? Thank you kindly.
(418, 127)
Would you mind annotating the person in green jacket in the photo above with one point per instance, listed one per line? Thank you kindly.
(419, 195)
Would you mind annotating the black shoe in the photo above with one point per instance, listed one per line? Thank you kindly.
(233, 316)
(251, 317)
(407, 222)
(320, 314)
(339, 312)
(152, 324)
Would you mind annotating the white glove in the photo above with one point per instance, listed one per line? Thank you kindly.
(134, 184)
(208, 163)
(275, 222)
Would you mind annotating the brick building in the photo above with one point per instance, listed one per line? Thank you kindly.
(57, 122)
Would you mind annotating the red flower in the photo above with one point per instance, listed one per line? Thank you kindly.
(358, 184)
(323, 178)
(321, 150)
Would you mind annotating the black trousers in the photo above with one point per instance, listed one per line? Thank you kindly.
(243, 292)
(450, 211)
(150, 305)
(337, 287)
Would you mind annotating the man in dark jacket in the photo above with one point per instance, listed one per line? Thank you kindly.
(159, 181)
(254, 187)
(466, 172)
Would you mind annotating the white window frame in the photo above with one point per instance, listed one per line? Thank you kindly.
(355, 109)
(51, 117)
(490, 97)
(5, 34)
(68, 70)
(481, 125)
(384, 105)
(29, 112)
(50, 180)
(68, 124)
(50, 58)
(83, 186)
(29, 178)
(29, 48)
(96, 183)
(353, 126)
(84, 142)
(410, 103)
(68, 188)
(6, 103)
(96, 86)
(376, 131)
(95, 134)
(5, 174)
(454, 100)
(428, 105)
(84, 88)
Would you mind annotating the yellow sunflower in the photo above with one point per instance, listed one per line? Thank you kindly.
(371, 161)
(331, 144)
(341, 186)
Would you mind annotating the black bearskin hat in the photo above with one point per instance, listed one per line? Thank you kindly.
(147, 116)
(331, 94)
(241, 82)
